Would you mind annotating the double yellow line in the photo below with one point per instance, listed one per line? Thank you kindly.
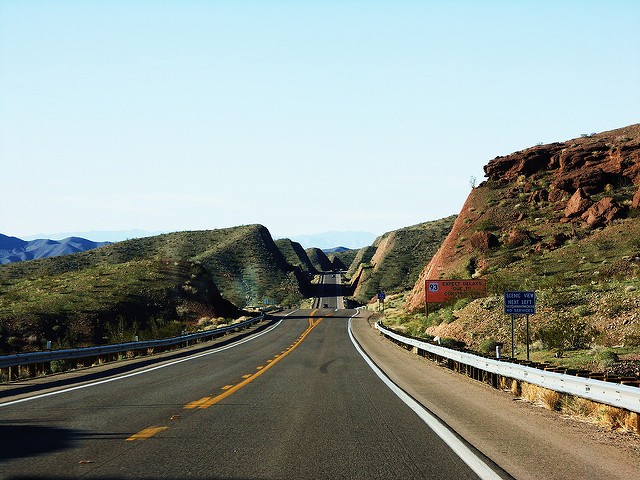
(206, 402)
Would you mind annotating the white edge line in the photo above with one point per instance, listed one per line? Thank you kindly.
(459, 448)
(121, 377)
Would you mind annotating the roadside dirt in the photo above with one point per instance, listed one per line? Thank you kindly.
(527, 441)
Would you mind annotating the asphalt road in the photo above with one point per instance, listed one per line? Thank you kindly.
(296, 400)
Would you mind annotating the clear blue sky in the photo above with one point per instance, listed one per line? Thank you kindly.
(302, 116)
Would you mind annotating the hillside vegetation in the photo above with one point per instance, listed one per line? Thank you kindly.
(148, 286)
(345, 257)
(319, 259)
(398, 258)
(562, 219)
(295, 255)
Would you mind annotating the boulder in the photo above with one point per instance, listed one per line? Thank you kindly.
(526, 162)
(558, 240)
(591, 180)
(539, 196)
(556, 196)
(577, 204)
(635, 203)
(516, 237)
(602, 213)
(484, 241)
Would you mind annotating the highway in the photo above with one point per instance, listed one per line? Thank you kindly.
(296, 399)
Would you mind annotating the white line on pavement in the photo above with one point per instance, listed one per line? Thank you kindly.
(459, 448)
(121, 377)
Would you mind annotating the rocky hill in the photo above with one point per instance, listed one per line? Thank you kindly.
(562, 219)
(341, 260)
(362, 257)
(319, 259)
(14, 249)
(538, 199)
(398, 258)
(148, 285)
(295, 255)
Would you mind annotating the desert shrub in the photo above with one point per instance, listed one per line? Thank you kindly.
(486, 226)
(433, 319)
(60, 366)
(581, 311)
(489, 303)
(550, 399)
(566, 332)
(452, 343)
(488, 345)
(535, 394)
(500, 282)
(604, 357)
(446, 314)
(580, 407)
(442, 315)
(461, 303)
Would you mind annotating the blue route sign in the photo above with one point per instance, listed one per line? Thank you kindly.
(520, 303)
(381, 296)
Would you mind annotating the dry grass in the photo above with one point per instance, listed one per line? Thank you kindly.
(578, 408)
(515, 388)
(541, 396)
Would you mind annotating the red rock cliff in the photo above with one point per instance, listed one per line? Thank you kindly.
(537, 198)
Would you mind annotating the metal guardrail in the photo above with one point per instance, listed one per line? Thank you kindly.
(614, 394)
(21, 359)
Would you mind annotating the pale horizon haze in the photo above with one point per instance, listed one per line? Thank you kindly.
(305, 117)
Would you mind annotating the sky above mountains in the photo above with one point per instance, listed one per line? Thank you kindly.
(301, 116)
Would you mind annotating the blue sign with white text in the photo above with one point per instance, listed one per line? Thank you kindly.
(520, 303)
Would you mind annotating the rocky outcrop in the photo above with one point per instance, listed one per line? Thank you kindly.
(577, 204)
(602, 212)
(484, 241)
(590, 162)
(537, 199)
(517, 237)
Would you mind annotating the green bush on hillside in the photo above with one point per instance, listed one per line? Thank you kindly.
(566, 332)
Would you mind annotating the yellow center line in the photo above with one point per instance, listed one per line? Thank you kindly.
(212, 401)
(146, 433)
(206, 402)
(195, 403)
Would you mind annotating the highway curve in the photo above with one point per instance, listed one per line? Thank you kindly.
(296, 400)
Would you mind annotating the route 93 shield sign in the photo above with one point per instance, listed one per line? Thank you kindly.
(439, 291)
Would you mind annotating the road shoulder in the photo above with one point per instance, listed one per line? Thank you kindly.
(527, 441)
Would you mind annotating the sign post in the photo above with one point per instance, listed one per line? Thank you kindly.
(381, 297)
(519, 303)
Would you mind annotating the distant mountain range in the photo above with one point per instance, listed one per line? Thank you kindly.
(335, 249)
(326, 240)
(96, 235)
(13, 249)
